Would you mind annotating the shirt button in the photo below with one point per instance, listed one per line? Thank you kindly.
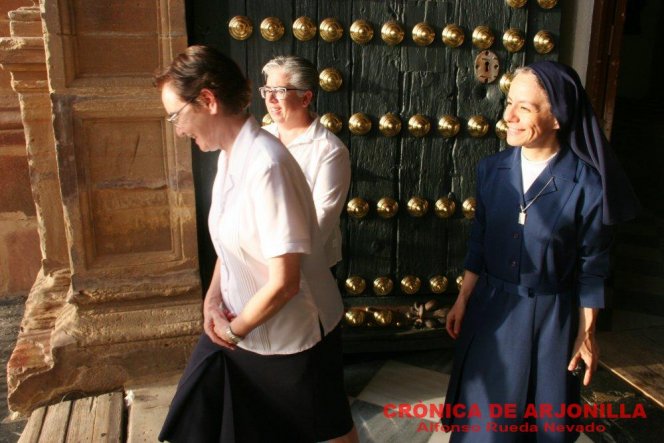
(515, 235)
(513, 264)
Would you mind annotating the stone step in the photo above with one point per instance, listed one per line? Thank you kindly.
(148, 408)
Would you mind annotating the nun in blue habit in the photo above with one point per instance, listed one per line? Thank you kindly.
(524, 320)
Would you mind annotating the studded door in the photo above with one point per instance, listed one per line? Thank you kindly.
(415, 90)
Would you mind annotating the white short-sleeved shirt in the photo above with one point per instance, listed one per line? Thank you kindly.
(325, 161)
(262, 208)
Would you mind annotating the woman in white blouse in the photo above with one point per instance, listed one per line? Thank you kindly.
(290, 85)
(268, 367)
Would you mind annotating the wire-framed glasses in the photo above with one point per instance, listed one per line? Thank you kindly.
(173, 117)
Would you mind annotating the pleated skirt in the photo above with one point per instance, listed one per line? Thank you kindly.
(241, 396)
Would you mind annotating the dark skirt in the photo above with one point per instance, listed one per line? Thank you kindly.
(242, 396)
(513, 350)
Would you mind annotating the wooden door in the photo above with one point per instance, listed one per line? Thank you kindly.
(604, 59)
(405, 79)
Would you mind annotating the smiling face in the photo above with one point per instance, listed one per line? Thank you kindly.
(191, 118)
(293, 106)
(530, 122)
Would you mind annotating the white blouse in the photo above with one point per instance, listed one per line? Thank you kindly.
(262, 208)
(325, 161)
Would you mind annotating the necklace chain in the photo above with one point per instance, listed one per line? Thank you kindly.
(522, 213)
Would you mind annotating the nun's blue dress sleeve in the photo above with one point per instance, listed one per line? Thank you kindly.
(593, 244)
(475, 256)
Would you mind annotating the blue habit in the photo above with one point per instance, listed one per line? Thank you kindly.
(521, 320)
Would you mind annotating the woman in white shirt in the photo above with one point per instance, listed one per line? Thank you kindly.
(290, 85)
(260, 371)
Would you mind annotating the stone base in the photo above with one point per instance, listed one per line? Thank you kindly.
(60, 355)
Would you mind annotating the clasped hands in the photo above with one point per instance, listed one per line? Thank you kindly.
(216, 319)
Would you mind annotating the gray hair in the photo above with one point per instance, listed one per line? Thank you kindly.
(302, 74)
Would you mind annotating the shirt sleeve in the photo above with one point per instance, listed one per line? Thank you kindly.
(475, 257)
(281, 211)
(331, 188)
(594, 242)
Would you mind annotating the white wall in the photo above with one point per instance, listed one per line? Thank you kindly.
(575, 34)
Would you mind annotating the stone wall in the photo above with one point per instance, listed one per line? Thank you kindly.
(20, 256)
(117, 296)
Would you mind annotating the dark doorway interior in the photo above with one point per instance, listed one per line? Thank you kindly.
(638, 129)
(638, 139)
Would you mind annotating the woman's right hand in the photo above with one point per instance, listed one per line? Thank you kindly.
(455, 317)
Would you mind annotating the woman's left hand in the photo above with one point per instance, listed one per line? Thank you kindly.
(586, 349)
(220, 324)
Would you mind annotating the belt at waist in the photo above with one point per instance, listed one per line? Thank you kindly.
(523, 291)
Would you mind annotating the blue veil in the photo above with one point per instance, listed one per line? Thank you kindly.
(580, 130)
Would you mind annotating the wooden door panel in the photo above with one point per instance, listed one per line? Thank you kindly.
(335, 55)
(260, 51)
(405, 79)
(423, 173)
(542, 19)
(305, 8)
(369, 250)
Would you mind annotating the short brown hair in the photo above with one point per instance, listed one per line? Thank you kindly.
(200, 67)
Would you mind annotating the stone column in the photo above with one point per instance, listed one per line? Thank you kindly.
(19, 242)
(22, 54)
(126, 304)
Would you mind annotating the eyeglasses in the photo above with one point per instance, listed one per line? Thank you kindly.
(173, 117)
(278, 91)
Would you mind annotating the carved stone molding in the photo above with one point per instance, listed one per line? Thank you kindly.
(118, 298)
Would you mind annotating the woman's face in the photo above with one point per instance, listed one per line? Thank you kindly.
(530, 122)
(188, 118)
(295, 104)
